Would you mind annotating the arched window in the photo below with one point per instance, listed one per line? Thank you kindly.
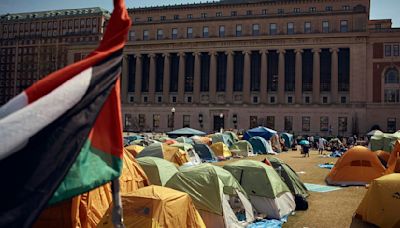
(392, 86)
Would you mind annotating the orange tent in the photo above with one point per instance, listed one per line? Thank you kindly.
(86, 210)
(358, 166)
(393, 165)
(134, 149)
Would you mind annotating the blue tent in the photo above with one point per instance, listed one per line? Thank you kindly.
(288, 139)
(185, 132)
(263, 132)
(260, 145)
(205, 152)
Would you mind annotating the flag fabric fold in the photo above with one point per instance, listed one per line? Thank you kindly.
(63, 135)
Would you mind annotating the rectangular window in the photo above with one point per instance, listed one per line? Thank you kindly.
(396, 50)
(170, 121)
(238, 30)
(388, 50)
(203, 15)
(189, 33)
(312, 9)
(271, 122)
(290, 28)
(296, 10)
(305, 123)
(328, 8)
(253, 122)
(391, 125)
(218, 14)
(249, 12)
(189, 16)
(307, 27)
(343, 26)
(142, 121)
(288, 123)
(273, 29)
(392, 95)
(162, 18)
(160, 34)
(346, 7)
(174, 33)
(342, 124)
(256, 29)
(128, 121)
(186, 120)
(205, 31)
(325, 26)
(324, 123)
(132, 35)
(145, 35)
(221, 31)
(264, 12)
(233, 13)
(156, 120)
(280, 11)
(149, 19)
(176, 17)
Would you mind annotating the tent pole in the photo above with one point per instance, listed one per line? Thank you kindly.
(117, 215)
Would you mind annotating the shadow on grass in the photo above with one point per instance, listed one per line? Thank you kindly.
(358, 223)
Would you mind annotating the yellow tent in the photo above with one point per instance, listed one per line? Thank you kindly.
(157, 206)
(381, 202)
(134, 149)
(169, 153)
(86, 210)
(220, 149)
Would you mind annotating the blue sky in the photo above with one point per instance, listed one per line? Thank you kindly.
(380, 9)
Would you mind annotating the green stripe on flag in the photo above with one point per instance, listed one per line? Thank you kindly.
(91, 169)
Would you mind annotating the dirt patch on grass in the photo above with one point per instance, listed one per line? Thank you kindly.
(329, 209)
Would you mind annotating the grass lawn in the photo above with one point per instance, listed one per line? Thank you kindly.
(329, 209)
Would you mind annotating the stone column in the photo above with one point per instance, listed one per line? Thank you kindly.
(246, 77)
(138, 79)
(124, 79)
(229, 77)
(334, 75)
(181, 78)
(298, 77)
(196, 79)
(166, 78)
(316, 76)
(152, 78)
(213, 77)
(281, 77)
(264, 77)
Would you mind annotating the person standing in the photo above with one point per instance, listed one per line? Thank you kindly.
(321, 145)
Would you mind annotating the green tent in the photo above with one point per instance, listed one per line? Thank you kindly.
(206, 184)
(183, 146)
(233, 137)
(257, 178)
(268, 193)
(243, 146)
(218, 137)
(289, 176)
(158, 170)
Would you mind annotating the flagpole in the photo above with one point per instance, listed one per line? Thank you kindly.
(117, 215)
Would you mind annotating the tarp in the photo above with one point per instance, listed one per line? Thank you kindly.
(289, 176)
(263, 132)
(158, 170)
(86, 210)
(244, 147)
(358, 166)
(205, 152)
(288, 139)
(186, 131)
(260, 145)
(169, 153)
(156, 206)
(381, 202)
(221, 150)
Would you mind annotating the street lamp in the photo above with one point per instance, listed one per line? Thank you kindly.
(172, 117)
(221, 116)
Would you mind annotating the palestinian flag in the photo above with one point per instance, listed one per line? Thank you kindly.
(63, 135)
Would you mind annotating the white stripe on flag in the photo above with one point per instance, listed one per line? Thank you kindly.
(18, 102)
(18, 127)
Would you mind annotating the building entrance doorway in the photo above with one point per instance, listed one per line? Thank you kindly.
(219, 121)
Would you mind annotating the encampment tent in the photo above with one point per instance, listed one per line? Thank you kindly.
(87, 210)
(288, 139)
(268, 193)
(289, 176)
(260, 145)
(158, 170)
(186, 131)
(183, 139)
(381, 202)
(358, 166)
(169, 153)
(232, 136)
(134, 149)
(156, 206)
(221, 150)
(201, 140)
(245, 148)
(263, 132)
(218, 137)
(215, 193)
(205, 152)
(188, 148)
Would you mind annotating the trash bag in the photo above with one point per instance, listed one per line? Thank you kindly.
(301, 202)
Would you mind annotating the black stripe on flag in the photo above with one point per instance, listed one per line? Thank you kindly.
(31, 175)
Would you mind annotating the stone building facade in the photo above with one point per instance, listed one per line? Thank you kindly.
(35, 44)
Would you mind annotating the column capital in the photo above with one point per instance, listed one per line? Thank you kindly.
(181, 54)
(279, 51)
(316, 50)
(229, 52)
(198, 53)
(334, 50)
(211, 53)
(152, 55)
(298, 50)
(138, 55)
(246, 52)
(165, 54)
(263, 51)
